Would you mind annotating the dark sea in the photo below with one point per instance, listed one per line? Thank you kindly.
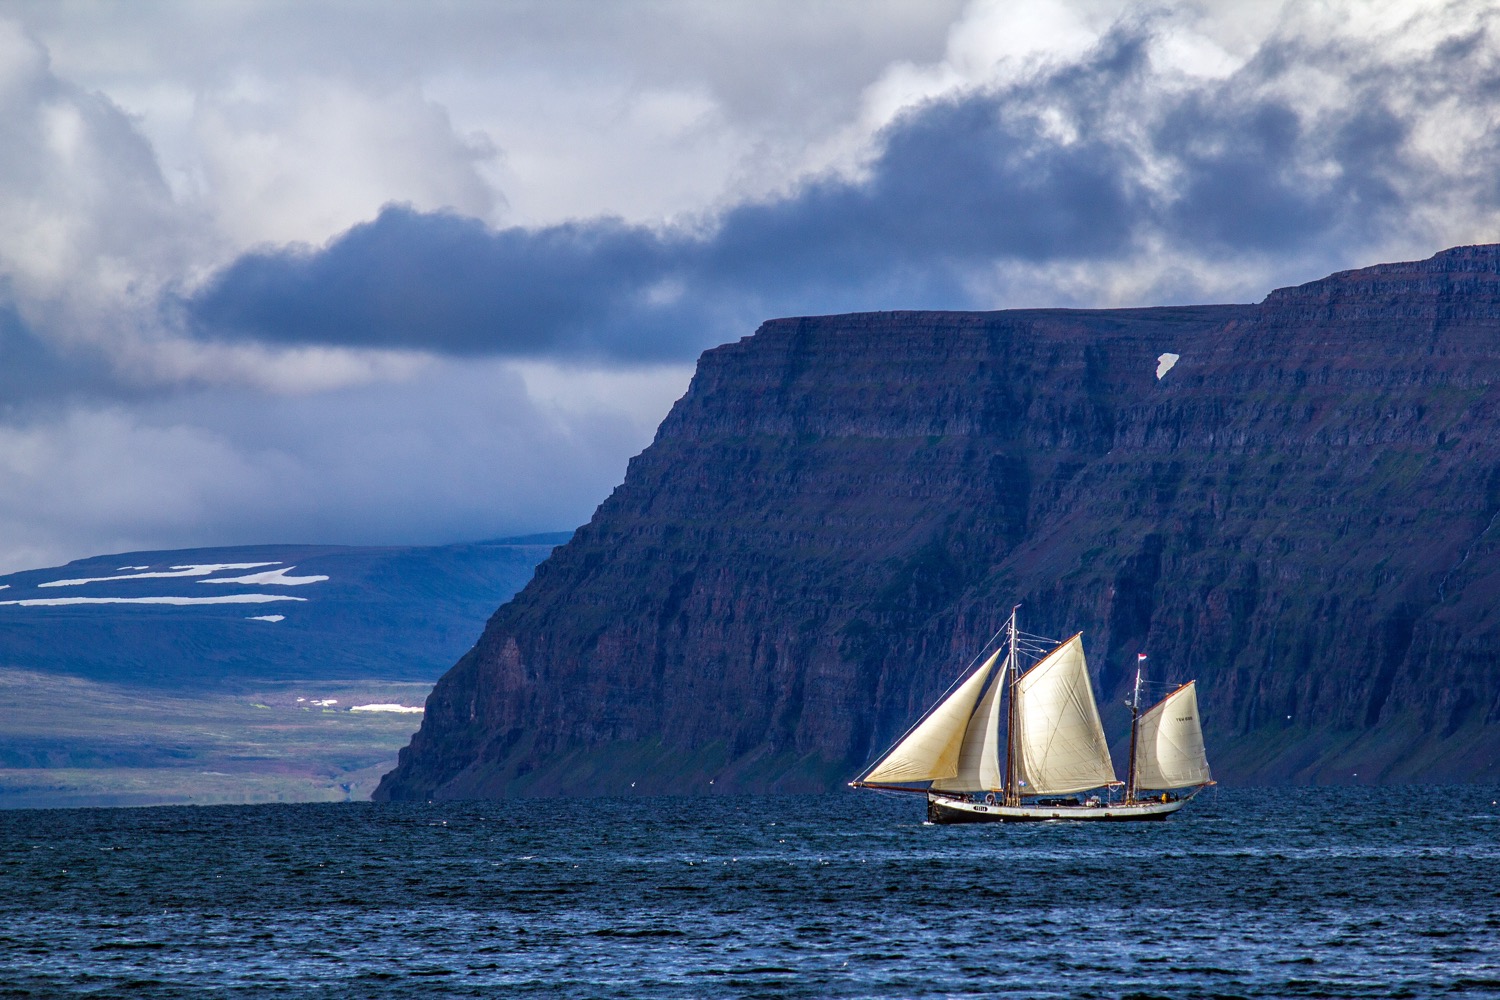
(1245, 893)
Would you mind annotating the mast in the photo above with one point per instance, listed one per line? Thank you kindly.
(1011, 795)
(1135, 725)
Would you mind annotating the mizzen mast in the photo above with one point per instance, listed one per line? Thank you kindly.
(1135, 727)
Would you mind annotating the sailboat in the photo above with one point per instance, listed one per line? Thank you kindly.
(1055, 764)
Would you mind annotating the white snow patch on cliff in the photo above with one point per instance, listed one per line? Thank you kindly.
(385, 708)
(270, 578)
(1165, 362)
(268, 618)
(38, 602)
(176, 571)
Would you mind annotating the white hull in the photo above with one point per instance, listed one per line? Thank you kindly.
(942, 809)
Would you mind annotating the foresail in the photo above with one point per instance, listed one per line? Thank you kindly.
(1060, 745)
(1169, 743)
(979, 753)
(932, 749)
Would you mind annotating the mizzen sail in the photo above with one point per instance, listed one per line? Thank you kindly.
(934, 747)
(1169, 743)
(1059, 741)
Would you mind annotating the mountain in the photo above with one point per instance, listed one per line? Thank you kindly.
(1300, 512)
(226, 616)
(255, 674)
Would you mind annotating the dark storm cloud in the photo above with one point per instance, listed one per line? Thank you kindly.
(444, 282)
(1254, 190)
(957, 184)
(1257, 173)
(1066, 167)
(35, 371)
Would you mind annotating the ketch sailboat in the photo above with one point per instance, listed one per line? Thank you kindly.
(1055, 764)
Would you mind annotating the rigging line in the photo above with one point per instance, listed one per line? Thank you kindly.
(975, 660)
(963, 676)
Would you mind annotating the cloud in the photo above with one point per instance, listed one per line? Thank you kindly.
(84, 211)
(958, 184)
(273, 271)
(277, 160)
(1165, 181)
(585, 102)
(438, 281)
(460, 450)
(36, 371)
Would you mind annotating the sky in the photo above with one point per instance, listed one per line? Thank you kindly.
(401, 273)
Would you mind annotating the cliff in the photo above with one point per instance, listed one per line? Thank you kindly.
(841, 510)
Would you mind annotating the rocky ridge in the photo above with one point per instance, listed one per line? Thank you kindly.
(841, 510)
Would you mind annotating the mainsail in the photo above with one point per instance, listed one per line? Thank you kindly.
(1169, 743)
(940, 746)
(1059, 741)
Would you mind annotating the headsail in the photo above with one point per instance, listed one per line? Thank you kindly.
(933, 749)
(1059, 743)
(979, 753)
(1169, 743)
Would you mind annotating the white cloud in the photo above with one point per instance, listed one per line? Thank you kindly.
(154, 359)
(643, 111)
(300, 160)
(84, 212)
(463, 450)
(570, 393)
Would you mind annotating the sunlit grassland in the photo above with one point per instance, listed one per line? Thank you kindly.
(71, 742)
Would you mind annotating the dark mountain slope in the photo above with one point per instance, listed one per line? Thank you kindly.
(842, 509)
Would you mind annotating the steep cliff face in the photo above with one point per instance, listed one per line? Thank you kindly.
(840, 511)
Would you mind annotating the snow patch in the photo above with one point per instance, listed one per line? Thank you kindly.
(39, 602)
(1165, 362)
(4, 586)
(270, 578)
(385, 708)
(268, 618)
(325, 702)
(127, 569)
(177, 571)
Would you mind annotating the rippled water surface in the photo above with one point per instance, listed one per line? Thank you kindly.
(1308, 893)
